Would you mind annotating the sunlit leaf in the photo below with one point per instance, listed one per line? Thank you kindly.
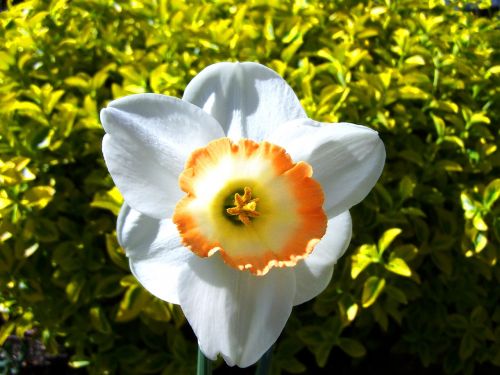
(110, 200)
(491, 193)
(38, 197)
(364, 256)
(398, 266)
(387, 238)
(372, 288)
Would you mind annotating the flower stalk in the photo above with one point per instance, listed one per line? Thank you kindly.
(264, 364)
(204, 366)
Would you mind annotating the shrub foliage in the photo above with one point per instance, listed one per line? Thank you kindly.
(421, 275)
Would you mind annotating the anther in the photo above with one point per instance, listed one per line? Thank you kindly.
(245, 207)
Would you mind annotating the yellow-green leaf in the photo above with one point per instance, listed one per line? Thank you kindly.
(415, 60)
(467, 202)
(78, 363)
(38, 197)
(99, 321)
(491, 193)
(111, 200)
(454, 139)
(479, 118)
(479, 223)
(449, 166)
(412, 92)
(115, 252)
(364, 256)
(52, 100)
(480, 242)
(132, 303)
(398, 266)
(4, 200)
(387, 238)
(81, 81)
(290, 50)
(371, 290)
(74, 288)
(439, 125)
(5, 330)
(406, 187)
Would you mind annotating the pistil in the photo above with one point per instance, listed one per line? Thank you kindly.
(245, 207)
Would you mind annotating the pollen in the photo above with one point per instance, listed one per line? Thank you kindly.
(245, 207)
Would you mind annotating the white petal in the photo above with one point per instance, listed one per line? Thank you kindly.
(156, 254)
(148, 140)
(235, 313)
(347, 159)
(248, 99)
(313, 274)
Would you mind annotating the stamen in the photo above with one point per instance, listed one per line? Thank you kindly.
(245, 207)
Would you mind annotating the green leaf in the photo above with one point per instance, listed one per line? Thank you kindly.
(371, 290)
(415, 60)
(291, 49)
(412, 93)
(449, 166)
(322, 353)
(311, 335)
(4, 200)
(348, 309)
(456, 140)
(115, 252)
(364, 256)
(407, 252)
(480, 242)
(81, 81)
(78, 362)
(444, 261)
(352, 347)
(5, 330)
(458, 322)
(396, 294)
(444, 105)
(439, 125)
(479, 118)
(467, 346)
(398, 266)
(51, 100)
(491, 193)
(387, 237)
(38, 197)
(479, 316)
(75, 287)
(479, 223)
(99, 321)
(157, 310)
(467, 202)
(109, 286)
(406, 187)
(111, 200)
(132, 303)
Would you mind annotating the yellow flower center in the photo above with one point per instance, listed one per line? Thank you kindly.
(251, 203)
(245, 207)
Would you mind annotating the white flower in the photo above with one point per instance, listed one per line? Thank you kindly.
(227, 192)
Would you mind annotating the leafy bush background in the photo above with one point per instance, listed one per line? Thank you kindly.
(420, 278)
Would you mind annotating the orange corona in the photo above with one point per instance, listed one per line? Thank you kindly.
(250, 202)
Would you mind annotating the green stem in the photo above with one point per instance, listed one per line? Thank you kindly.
(204, 364)
(264, 364)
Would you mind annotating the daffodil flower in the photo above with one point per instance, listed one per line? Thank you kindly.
(236, 204)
